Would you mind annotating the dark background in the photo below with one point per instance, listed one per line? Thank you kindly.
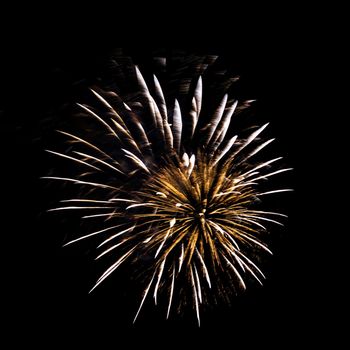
(48, 294)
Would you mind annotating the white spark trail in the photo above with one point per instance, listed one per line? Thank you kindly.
(181, 258)
(263, 218)
(251, 138)
(86, 143)
(112, 268)
(206, 273)
(199, 288)
(97, 215)
(177, 126)
(256, 242)
(236, 272)
(198, 92)
(195, 295)
(74, 159)
(215, 120)
(100, 161)
(84, 200)
(74, 207)
(144, 296)
(108, 250)
(160, 273)
(116, 235)
(79, 182)
(252, 264)
(275, 191)
(115, 113)
(136, 160)
(92, 234)
(256, 150)
(171, 292)
(271, 174)
(160, 96)
(89, 111)
(228, 146)
(261, 166)
(221, 129)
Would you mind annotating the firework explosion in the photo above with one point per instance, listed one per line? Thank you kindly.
(176, 196)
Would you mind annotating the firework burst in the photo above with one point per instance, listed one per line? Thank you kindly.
(176, 196)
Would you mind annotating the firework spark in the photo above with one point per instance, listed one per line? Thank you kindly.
(176, 195)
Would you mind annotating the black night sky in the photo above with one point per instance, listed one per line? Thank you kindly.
(48, 294)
